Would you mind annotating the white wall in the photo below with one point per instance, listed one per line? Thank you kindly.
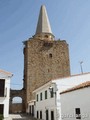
(29, 110)
(46, 104)
(76, 99)
(59, 85)
(5, 100)
(68, 82)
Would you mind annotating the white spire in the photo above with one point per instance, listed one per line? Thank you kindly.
(43, 25)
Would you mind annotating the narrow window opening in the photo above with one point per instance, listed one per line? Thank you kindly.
(48, 70)
(37, 97)
(47, 115)
(52, 93)
(2, 87)
(37, 114)
(52, 115)
(40, 114)
(50, 55)
(41, 96)
(46, 36)
(46, 94)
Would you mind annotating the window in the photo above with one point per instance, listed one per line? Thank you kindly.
(52, 93)
(30, 109)
(46, 94)
(2, 87)
(37, 97)
(40, 96)
(52, 115)
(1, 108)
(78, 114)
(37, 114)
(48, 70)
(40, 114)
(5, 93)
(50, 55)
(47, 115)
(46, 36)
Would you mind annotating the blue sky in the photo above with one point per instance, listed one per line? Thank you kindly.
(69, 19)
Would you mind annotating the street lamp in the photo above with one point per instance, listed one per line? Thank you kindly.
(51, 90)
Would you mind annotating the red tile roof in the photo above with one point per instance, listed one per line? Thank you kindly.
(80, 86)
(5, 72)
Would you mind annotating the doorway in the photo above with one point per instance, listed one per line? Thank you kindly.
(47, 116)
(1, 108)
(52, 115)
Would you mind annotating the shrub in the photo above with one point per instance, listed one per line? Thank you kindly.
(1, 117)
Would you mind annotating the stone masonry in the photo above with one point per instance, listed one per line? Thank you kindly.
(44, 60)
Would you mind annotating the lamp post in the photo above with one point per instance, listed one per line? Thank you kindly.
(52, 92)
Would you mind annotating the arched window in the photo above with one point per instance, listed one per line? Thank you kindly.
(50, 55)
(17, 100)
(46, 36)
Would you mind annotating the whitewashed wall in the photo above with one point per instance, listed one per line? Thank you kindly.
(59, 85)
(68, 82)
(46, 104)
(5, 100)
(76, 99)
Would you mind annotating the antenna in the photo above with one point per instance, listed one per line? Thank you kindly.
(81, 66)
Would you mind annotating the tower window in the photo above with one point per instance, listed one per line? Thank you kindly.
(46, 36)
(50, 55)
(48, 70)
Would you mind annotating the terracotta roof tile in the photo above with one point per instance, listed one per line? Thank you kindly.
(5, 72)
(83, 85)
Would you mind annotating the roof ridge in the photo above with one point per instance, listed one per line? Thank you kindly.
(3, 71)
(82, 85)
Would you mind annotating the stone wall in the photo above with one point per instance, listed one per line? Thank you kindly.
(16, 108)
(44, 61)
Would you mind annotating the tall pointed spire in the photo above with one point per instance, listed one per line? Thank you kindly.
(43, 26)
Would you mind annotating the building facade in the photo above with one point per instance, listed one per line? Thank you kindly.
(47, 97)
(45, 58)
(4, 92)
(45, 106)
(75, 102)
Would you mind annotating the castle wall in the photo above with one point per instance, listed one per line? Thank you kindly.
(44, 61)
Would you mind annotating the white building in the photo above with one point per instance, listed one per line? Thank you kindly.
(31, 107)
(48, 105)
(75, 102)
(4, 92)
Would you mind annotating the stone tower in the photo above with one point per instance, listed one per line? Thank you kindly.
(44, 57)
